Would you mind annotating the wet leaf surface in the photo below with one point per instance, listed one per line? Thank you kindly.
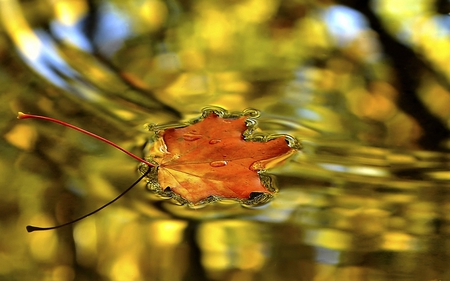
(216, 158)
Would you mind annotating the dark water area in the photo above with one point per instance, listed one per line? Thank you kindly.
(362, 85)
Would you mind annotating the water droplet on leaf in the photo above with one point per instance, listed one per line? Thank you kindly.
(218, 163)
(214, 141)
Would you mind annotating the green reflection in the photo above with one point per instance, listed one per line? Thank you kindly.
(365, 89)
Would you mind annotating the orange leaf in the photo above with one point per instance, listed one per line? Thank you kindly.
(214, 157)
(211, 160)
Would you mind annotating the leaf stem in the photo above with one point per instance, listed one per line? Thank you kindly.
(22, 115)
(31, 228)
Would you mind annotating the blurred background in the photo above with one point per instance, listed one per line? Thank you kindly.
(364, 85)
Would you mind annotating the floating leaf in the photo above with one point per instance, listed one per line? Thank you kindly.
(216, 157)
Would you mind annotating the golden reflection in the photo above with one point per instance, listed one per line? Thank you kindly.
(22, 136)
(216, 30)
(399, 241)
(437, 99)
(365, 88)
(420, 27)
(315, 35)
(63, 273)
(44, 245)
(166, 233)
(69, 12)
(328, 238)
(24, 38)
(192, 60)
(231, 244)
(125, 268)
(154, 12)
(85, 237)
(256, 11)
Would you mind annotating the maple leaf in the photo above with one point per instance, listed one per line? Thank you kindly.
(216, 157)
